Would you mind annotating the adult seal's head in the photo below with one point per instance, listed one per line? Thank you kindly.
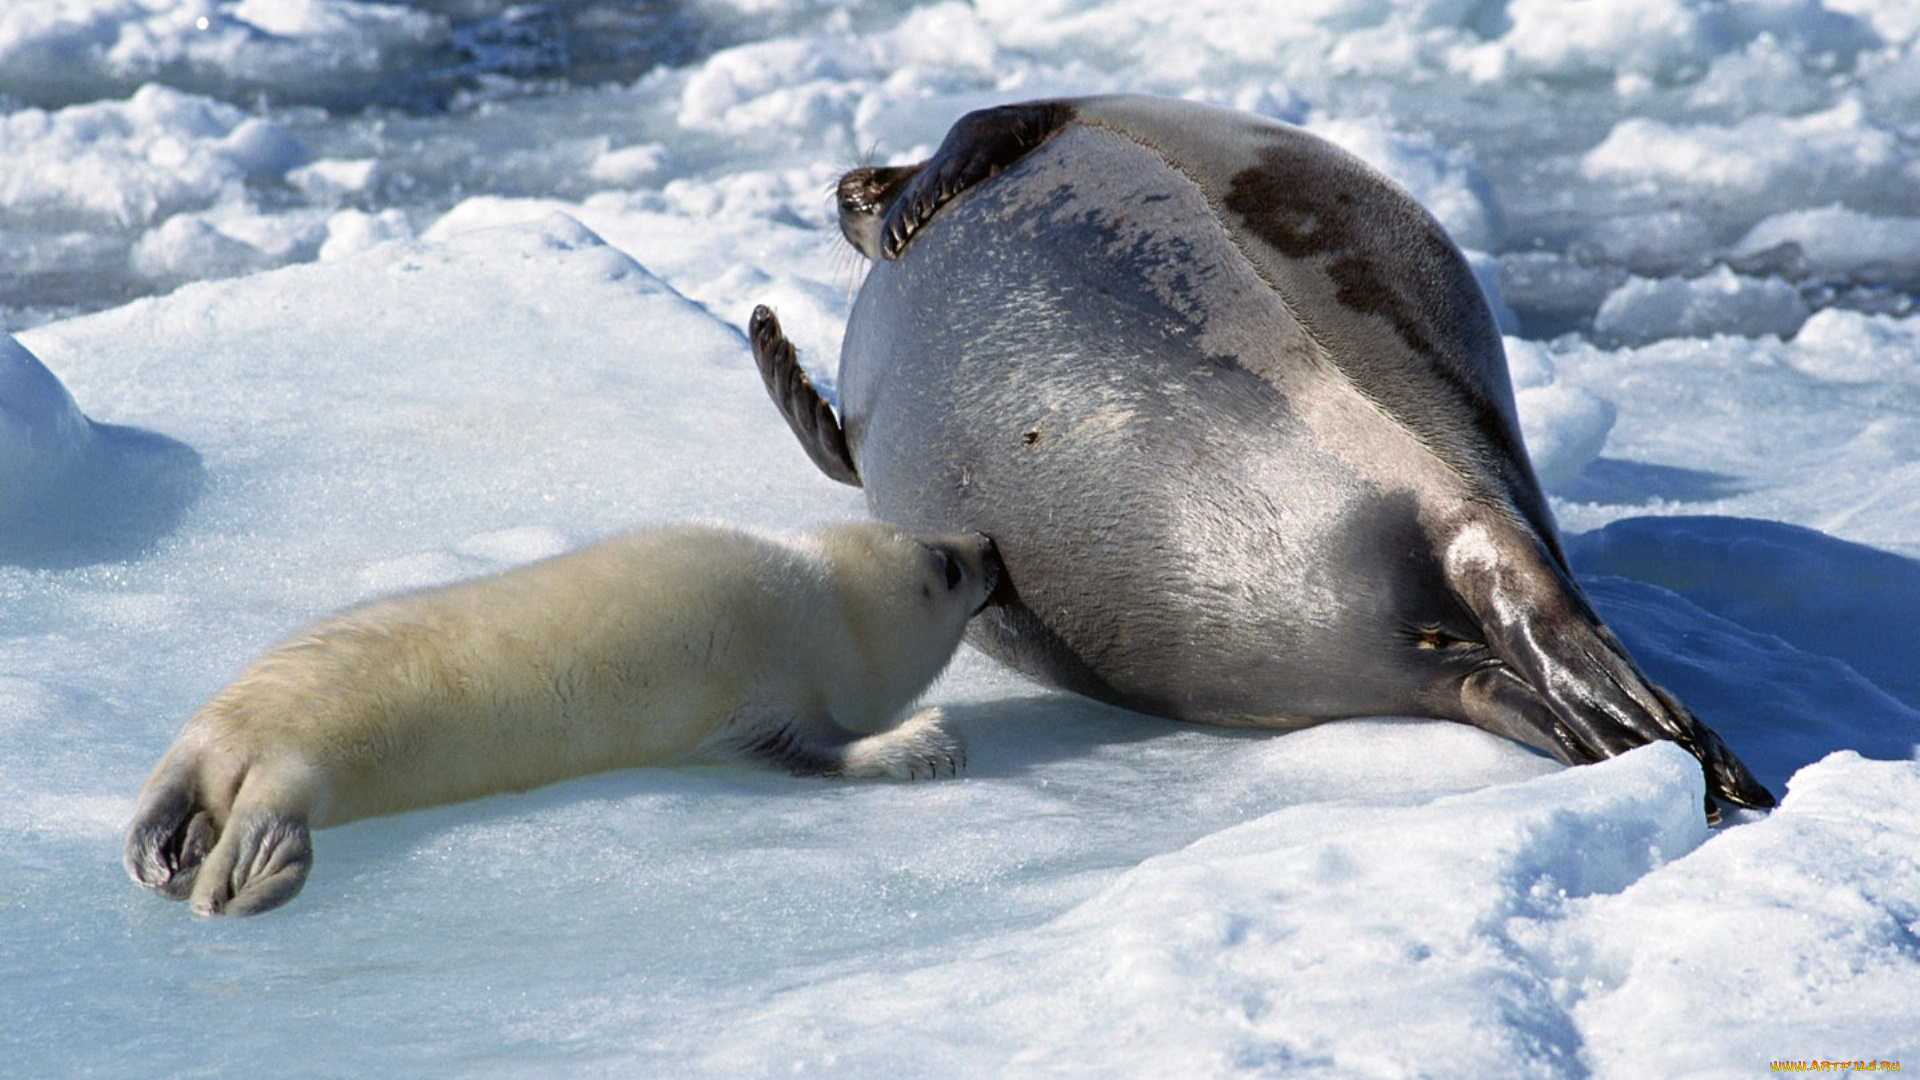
(1234, 410)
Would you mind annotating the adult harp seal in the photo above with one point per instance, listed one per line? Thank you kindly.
(1234, 410)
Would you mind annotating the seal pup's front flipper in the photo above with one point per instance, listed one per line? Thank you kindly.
(793, 393)
(1557, 679)
(920, 747)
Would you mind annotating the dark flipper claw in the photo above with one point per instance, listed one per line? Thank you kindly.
(1727, 777)
(807, 413)
(1557, 679)
(981, 144)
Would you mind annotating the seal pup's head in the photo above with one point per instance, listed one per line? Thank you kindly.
(905, 599)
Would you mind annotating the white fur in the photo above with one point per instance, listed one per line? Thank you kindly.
(645, 648)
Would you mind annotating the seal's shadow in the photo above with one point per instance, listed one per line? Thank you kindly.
(1612, 481)
(1011, 737)
(129, 490)
(1790, 643)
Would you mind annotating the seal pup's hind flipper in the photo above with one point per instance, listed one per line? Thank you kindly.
(1558, 680)
(807, 413)
(231, 844)
(260, 863)
(170, 835)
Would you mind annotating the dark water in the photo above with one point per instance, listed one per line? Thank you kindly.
(490, 97)
(466, 108)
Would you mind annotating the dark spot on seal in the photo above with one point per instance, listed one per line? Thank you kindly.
(1386, 258)
(1031, 437)
(1307, 207)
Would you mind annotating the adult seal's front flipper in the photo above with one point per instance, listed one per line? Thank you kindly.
(807, 413)
(979, 145)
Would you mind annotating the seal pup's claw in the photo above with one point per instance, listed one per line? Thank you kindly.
(793, 393)
(920, 747)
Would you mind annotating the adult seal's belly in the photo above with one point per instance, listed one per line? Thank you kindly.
(1234, 411)
(1116, 397)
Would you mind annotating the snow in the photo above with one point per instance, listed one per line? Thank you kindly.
(1564, 427)
(1833, 239)
(309, 300)
(1721, 301)
(1776, 160)
(136, 161)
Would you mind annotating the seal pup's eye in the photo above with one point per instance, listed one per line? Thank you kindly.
(946, 565)
(950, 566)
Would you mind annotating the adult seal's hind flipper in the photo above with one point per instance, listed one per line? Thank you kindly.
(793, 393)
(1554, 677)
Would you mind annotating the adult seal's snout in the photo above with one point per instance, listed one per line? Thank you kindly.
(1234, 410)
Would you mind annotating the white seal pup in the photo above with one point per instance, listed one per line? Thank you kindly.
(645, 648)
(1235, 411)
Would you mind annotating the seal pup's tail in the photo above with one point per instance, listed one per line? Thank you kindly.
(1557, 679)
